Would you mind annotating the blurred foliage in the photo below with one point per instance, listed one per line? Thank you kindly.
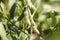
(29, 20)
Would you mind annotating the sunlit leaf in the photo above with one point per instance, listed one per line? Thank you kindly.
(3, 32)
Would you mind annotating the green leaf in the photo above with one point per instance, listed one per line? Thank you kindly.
(12, 10)
(36, 16)
(22, 15)
(15, 30)
(18, 10)
(53, 19)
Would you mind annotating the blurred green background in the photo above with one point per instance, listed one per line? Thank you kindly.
(29, 19)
